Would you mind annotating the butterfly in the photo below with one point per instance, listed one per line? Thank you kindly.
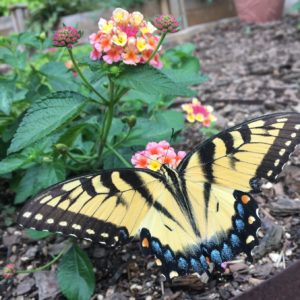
(200, 213)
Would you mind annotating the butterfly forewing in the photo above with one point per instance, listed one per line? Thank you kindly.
(106, 208)
(237, 157)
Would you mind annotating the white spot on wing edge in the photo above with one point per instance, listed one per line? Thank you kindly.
(27, 214)
(90, 231)
(38, 217)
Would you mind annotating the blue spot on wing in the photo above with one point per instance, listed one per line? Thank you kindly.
(182, 263)
(216, 257)
(240, 225)
(240, 210)
(156, 247)
(196, 265)
(203, 262)
(227, 252)
(168, 256)
(235, 241)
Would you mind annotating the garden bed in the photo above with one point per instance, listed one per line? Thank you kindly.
(254, 70)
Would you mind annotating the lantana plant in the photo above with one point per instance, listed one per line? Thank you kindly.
(115, 99)
(201, 114)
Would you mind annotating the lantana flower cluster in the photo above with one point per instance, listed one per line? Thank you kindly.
(126, 37)
(166, 23)
(196, 112)
(157, 154)
(66, 37)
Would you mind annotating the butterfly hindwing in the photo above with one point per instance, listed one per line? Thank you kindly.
(227, 226)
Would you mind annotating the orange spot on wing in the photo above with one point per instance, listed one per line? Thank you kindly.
(245, 199)
(145, 243)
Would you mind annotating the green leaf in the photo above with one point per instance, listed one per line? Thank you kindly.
(12, 163)
(151, 81)
(7, 90)
(45, 116)
(76, 278)
(37, 235)
(156, 129)
(39, 177)
(185, 77)
(59, 77)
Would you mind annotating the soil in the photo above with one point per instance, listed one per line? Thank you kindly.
(254, 70)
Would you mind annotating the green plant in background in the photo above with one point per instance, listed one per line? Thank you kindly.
(64, 118)
(45, 15)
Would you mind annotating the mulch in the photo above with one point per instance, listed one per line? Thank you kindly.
(254, 70)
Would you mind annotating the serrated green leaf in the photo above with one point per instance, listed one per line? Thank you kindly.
(151, 81)
(37, 235)
(37, 178)
(45, 116)
(12, 163)
(76, 278)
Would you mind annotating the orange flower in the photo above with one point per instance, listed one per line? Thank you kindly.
(130, 57)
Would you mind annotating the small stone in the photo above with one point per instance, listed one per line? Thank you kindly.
(136, 287)
(275, 257)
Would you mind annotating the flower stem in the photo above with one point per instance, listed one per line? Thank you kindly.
(118, 155)
(157, 47)
(87, 84)
(107, 120)
(56, 258)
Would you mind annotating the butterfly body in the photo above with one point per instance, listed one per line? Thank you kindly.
(202, 212)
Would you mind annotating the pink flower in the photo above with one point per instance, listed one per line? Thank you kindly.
(156, 62)
(157, 154)
(140, 160)
(66, 37)
(113, 55)
(95, 55)
(130, 57)
(166, 23)
(133, 36)
(196, 112)
(8, 271)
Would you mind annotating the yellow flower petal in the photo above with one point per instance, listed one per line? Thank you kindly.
(199, 118)
(120, 38)
(187, 108)
(136, 18)
(190, 118)
(120, 15)
(154, 165)
(141, 44)
(195, 101)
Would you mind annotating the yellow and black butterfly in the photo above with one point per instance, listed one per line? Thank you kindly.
(187, 217)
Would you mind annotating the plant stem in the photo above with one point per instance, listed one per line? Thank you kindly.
(63, 251)
(107, 120)
(87, 84)
(119, 156)
(157, 47)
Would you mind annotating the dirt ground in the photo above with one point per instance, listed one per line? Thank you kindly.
(254, 70)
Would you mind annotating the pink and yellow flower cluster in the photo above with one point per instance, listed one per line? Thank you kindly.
(196, 112)
(126, 37)
(157, 154)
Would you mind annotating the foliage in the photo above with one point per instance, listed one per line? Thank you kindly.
(62, 114)
(75, 275)
(296, 6)
(41, 90)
